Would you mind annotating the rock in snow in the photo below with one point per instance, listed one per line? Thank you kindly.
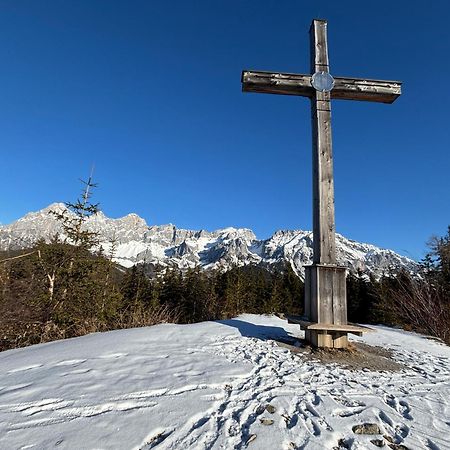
(209, 386)
(136, 242)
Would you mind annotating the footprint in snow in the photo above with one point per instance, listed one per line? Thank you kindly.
(347, 412)
(386, 419)
(313, 398)
(430, 445)
(345, 401)
(399, 430)
(401, 406)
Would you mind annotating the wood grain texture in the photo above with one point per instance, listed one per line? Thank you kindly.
(339, 297)
(323, 340)
(324, 245)
(276, 83)
(325, 295)
(318, 46)
(379, 91)
(314, 295)
(330, 327)
(308, 299)
(340, 340)
(338, 328)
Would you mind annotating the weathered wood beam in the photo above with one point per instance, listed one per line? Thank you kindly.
(318, 46)
(276, 83)
(324, 241)
(349, 327)
(381, 91)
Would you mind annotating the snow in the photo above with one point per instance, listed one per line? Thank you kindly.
(200, 243)
(205, 386)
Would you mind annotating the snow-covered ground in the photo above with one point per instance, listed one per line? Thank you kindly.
(209, 386)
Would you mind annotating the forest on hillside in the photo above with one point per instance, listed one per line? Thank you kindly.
(64, 288)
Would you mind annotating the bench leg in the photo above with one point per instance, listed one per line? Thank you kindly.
(340, 340)
(319, 339)
(323, 339)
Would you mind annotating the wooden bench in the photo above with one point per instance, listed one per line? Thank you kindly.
(329, 335)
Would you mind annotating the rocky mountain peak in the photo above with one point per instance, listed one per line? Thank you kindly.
(136, 242)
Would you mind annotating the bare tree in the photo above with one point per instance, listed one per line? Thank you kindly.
(422, 304)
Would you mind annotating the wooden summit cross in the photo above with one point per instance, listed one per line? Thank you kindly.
(325, 321)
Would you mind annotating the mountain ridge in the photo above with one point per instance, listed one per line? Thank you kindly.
(137, 242)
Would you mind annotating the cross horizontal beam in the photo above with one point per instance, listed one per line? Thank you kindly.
(381, 91)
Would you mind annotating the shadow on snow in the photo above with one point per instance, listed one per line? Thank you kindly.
(262, 332)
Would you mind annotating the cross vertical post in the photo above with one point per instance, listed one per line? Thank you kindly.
(323, 187)
(325, 284)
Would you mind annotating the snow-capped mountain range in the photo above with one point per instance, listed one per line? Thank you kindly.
(136, 242)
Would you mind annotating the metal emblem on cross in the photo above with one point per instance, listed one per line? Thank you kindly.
(322, 81)
(325, 320)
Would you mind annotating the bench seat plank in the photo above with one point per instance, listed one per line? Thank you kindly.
(306, 324)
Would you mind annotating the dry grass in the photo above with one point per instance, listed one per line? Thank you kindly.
(16, 334)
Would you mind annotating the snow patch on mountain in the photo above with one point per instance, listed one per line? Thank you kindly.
(133, 241)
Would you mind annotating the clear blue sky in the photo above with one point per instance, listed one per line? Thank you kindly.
(149, 91)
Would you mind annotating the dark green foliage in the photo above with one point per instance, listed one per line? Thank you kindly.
(208, 295)
(436, 264)
(73, 218)
(258, 290)
(198, 296)
(135, 288)
(361, 298)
